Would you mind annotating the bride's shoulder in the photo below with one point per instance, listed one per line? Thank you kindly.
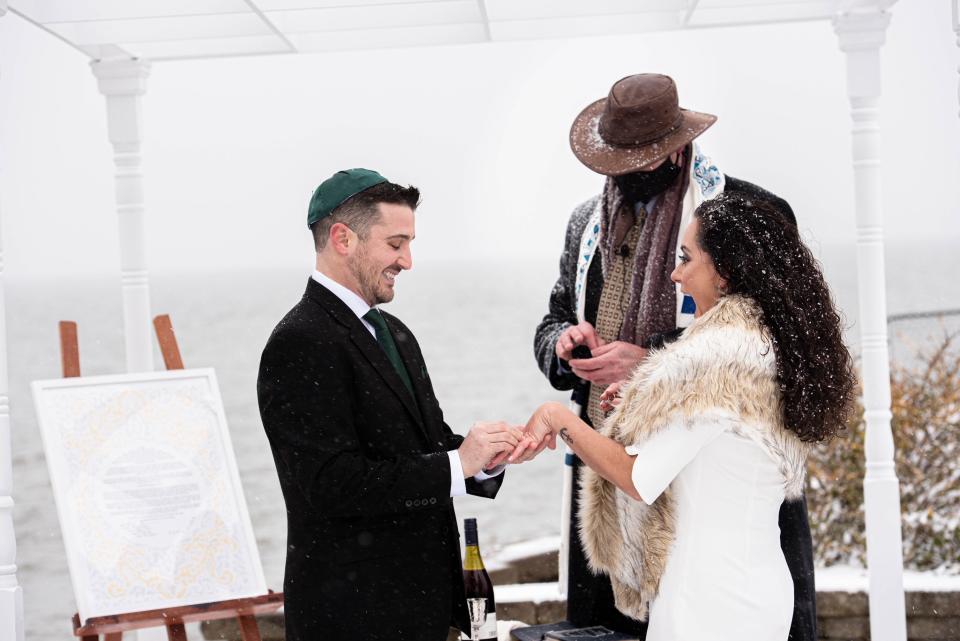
(728, 340)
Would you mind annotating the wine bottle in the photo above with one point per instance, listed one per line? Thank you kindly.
(477, 584)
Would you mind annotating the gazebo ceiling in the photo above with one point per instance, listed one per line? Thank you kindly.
(184, 29)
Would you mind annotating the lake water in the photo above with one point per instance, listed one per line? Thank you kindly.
(474, 322)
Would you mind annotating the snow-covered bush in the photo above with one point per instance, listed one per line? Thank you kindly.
(926, 432)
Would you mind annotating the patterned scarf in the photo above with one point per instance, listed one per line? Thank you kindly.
(653, 296)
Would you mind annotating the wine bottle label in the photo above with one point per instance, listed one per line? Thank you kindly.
(488, 631)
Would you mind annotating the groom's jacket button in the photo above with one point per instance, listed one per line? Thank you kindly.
(408, 502)
(433, 500)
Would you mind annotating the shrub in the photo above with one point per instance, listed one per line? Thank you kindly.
(926, 431)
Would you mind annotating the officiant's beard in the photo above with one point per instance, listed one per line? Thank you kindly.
(372, 280)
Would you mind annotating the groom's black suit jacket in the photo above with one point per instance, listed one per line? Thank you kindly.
(372, 541)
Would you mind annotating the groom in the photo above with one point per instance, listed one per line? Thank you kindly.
(367, 465)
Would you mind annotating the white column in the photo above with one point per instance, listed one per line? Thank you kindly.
(11, 596)
(861, 31)
(123, 82)
(956, 30)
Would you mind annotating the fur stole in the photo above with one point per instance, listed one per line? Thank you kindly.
(721, 369)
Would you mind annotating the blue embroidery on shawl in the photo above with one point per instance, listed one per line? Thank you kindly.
(705, 172)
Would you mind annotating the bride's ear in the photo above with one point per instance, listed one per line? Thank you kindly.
(721, 285)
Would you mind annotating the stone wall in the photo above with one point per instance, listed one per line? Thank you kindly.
(841, 616)
(931, 616)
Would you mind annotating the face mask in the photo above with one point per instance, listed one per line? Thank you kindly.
(641, 186)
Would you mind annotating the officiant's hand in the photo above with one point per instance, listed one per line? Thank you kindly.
(580, 334)
(610, 363)
(484, 443)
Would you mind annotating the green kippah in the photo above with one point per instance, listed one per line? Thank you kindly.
(336, 189)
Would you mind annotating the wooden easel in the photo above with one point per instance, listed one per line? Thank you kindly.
(173, 619)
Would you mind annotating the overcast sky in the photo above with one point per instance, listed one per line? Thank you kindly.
(233, 148)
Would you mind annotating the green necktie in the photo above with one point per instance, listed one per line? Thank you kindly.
(375, 318)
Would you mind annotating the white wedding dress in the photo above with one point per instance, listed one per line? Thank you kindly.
(726, 578)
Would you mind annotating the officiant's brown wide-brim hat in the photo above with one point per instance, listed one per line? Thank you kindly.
(639, 123)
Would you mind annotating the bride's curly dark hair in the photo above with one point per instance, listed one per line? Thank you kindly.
(761, 256)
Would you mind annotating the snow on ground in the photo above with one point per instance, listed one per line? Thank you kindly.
(832, 579)
(528, 593)
(840, 578)
(525, 549)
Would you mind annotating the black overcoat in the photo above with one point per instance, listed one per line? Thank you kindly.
(372, 541)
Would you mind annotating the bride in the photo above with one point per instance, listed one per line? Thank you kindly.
(710, 434)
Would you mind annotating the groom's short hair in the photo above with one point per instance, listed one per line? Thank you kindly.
(360, 212)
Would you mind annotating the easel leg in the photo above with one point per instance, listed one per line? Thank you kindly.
(69, 349)
(249, 631)
(168, 342)
(113, 636)
(90, 637)
(176, 632)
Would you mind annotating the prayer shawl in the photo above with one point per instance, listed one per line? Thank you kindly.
(655, 254)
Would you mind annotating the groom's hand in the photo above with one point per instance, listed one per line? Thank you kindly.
(484, 442)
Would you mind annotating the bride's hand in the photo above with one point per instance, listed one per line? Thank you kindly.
(611, 397)
(533, 438)
(540, 432)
